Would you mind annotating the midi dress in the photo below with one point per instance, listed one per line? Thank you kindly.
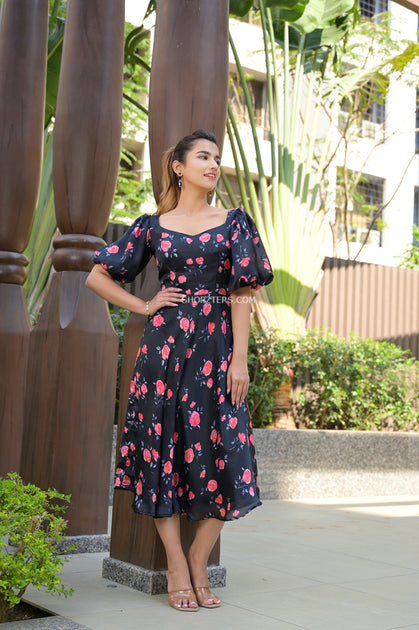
(186, 448)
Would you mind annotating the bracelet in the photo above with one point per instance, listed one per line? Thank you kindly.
(147, 310)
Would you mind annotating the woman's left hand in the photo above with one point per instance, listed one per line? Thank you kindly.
(237, 381)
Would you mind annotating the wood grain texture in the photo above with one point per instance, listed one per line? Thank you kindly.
(189, 75)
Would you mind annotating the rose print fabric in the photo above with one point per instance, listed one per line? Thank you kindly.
(185, 448)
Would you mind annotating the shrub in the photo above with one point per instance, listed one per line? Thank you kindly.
(358, 384)
(31, 520)
(267, 358)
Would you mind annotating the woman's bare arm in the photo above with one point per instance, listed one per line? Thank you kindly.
(237, 374)
(102, 283)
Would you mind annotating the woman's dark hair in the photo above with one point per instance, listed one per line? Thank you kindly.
(170, 194)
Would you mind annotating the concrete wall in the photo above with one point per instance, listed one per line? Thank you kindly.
(320, 464)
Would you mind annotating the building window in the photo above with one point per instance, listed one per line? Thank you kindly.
(367, 198)
(368, 112)
(238, 103)
(370, 8)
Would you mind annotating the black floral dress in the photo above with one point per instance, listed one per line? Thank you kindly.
(186, 449)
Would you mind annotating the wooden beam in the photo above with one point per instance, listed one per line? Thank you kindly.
(413, 5)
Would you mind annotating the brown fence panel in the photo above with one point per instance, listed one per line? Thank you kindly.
(371, 300)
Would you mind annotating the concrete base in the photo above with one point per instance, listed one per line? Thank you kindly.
(151, 582)
(85, 544)
(331, 464)
(46, 623)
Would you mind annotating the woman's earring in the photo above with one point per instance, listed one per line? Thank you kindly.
(179, 180)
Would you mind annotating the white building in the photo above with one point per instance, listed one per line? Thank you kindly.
(391, 172)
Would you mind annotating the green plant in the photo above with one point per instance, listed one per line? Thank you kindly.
(357, 384)
(32, 521)
(267, 358)
(410, 258)
(119, 318)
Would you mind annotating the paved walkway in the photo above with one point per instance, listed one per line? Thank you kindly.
(327, 565)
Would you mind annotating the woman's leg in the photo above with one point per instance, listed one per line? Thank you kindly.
(178, 577)
(207, 532)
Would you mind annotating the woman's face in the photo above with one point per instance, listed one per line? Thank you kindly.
(202, 166)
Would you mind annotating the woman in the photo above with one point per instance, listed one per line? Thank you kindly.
(188, 446)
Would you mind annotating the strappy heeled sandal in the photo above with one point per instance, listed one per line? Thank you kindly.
(204, 592)
(183, 594)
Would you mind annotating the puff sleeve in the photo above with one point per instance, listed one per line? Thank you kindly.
(250, 265)
(126, 257)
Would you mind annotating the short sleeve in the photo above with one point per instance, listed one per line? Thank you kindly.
(250, 265)
(127, 257)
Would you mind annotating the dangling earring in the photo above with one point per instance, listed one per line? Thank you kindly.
(179, 180)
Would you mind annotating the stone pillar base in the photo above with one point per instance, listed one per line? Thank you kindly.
(148, 581)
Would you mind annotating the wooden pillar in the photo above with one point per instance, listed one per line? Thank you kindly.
(188, 91)
(73, 352)
(23, 57)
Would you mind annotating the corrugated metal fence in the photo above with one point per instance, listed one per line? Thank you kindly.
(372, 300)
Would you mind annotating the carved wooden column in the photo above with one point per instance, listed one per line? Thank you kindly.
(188, 91)
(73, 353)
(23, 56)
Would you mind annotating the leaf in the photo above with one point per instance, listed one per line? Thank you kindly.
(240, 7)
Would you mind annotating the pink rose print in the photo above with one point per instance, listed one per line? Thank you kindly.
(175, 437)
(213, 436)
(252, 491)
(203, 473)
(220, 238)
(169, 393)
(211, 327)
(219, 499)
(132, 447)
(167, 468)
(189, 455)
(124, 451)
(160, 387)
(117, 482)
(227, 263)
(244, 261)
(175, 479)
(165, 245)
(184, 324)
(247, 476)
(158, 320)
(139, 487)
(165, 351)
(182, 279)
(212, 485)
(242, 438)
(126, 481)
(129, 246)
(195, 419)
(204, 238)
(114, 249)
(172, 275)
(137, 232)
(236, 513)
(202, 291)
(207, 368)
(184, 397)
(155, 454)
(180, 492)
(171, 339)
(207, 308)
(199, 260)
(221, 399)
(192, 328)
(221, 464)
(191, 495)
(233, 422)
(266, 264)
(188, 352)
(144, 349)
(189, 261)
(157, 428)
(147, 455)
(118, 471)
(154, 498)
(210, 383)
(189, 240)
(222, 512)
(223, 327)
(223, 366)
(198, 446)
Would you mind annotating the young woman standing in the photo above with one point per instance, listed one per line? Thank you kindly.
(187, 446)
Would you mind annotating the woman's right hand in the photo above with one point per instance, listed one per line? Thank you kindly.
(171, 296)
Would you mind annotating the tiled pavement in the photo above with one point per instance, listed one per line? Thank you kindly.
(347, 564)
